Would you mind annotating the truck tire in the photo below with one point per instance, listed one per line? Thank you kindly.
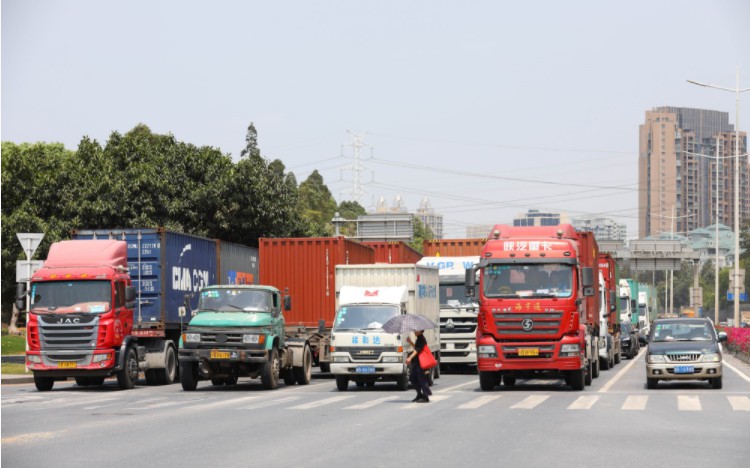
(82, 381)
(44, 384)
(618, 357)
(151, 378)
(651, 383)
(269, 379)
(342, 383)
(96, 381)
(509, 380)
(167, 375)
(216, 382)
(128, 375)
(577, 379)
(588, 375)
(189, 375)
(303, 374)
(595, 368)
(325, 367)
(604, 363)
(487, 380)
(402, 382)
(288, 376)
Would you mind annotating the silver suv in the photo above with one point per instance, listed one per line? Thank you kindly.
(684, 349)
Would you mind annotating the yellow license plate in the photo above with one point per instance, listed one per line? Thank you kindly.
(528, 352)
(67, 364)
(219, 354)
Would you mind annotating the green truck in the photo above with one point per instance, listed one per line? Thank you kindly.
(239, 331)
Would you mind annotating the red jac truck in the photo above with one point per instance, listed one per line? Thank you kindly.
(539, 305)
(107, 303)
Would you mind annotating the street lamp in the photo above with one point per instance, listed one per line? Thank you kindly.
(737, 92)
(716, 241)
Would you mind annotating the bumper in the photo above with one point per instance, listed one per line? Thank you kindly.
(224, 355)
(701, 370)
(72, 363)
(458, 351)
(380, 368)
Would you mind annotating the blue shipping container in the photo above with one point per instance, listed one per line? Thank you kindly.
(164, 267)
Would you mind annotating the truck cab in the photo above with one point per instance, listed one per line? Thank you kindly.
(238, 331)
(360, 349)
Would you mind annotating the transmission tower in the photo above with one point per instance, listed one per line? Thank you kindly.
(357, 167)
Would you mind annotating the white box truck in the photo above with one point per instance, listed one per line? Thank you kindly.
(366, 297)
(458, 313)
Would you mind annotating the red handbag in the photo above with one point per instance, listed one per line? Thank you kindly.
(426, 359)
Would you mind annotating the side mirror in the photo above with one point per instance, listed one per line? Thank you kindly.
(722, 337)
(587, 277)
(612, 301)
(287, 302)
(21, 296)
(130, 295)
(471, 279)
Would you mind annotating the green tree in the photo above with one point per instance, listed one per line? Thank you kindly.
(421, 233)
(317, 206)
(348, 209)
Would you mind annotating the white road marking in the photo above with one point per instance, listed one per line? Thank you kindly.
(219, 403)
(477, 402)
(739, 403)
(450, 389)
(583, 402)
(323, 402)
(688, 403)
(635, 402)
(530, 402)
(370, 404)
(433, 399)
(622, 372)
(270, 403)
(737, 371)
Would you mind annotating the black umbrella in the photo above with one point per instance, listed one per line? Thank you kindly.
(408, 323)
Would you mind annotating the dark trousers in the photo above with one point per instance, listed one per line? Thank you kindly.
(419, 380)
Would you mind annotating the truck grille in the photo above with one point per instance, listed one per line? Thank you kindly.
(55, 333)
(458, 325)
(543, 323)
(684, 357)
(221, 338)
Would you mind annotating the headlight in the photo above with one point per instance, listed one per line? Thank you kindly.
(626, 339)
(391, 358)
(656, 358)
(34, 358)
(341, 359)
(102, 357)
(192, 337)
(251, 339)
(486, 351)
(711, 357)
(570, 350)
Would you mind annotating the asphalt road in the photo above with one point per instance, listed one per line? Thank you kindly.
(615, 422)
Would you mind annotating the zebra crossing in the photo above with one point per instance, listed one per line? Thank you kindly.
(370, 401)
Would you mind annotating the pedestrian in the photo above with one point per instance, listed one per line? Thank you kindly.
(418, 377)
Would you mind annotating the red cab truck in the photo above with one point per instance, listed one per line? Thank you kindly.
(539, 310)
(609, 329)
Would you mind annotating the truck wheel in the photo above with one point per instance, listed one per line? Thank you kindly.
(509, 380)
(44, 384)
(360, 384)
(577, 379)
(96, 381)
(189, 375)
(82, 381)
(127, 377)
(325, 367)
(595, 368)
(651, 383)
(217, 382)
(716, 382)
(303, 374)
(604, 363)
(151, 378)
(231, 380)
(402, 382)
(488, 380)
(288, 376)
(270, 376)
(588, 376)
(342, 383)
(617, 358)
(167, 375)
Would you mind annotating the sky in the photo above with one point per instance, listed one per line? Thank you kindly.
(487, 108)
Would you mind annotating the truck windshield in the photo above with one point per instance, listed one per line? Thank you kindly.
(624, 303)
(532, 280)
(454, 295)
(232, 300)
(641, 311)
(72, 296)
(363, 316)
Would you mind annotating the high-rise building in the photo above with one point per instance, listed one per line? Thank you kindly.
(478, 231)
(429, 218)
(677, 188)
(603, 228)
(540, 218)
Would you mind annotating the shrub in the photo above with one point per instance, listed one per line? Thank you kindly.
(738, 339)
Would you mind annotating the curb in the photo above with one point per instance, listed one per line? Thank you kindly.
(20, 379)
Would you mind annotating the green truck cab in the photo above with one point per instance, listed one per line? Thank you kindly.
(239, 331)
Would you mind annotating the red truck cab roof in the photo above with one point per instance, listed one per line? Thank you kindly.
(532, 242)
(84, 259)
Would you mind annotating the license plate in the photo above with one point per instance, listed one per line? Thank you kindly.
(528, 352)
(67, 364)
(684, 370)
(219, 354)
(365, 369)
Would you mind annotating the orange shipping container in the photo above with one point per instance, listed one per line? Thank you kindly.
(453, 247)
(394, 252)
(305, 269)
